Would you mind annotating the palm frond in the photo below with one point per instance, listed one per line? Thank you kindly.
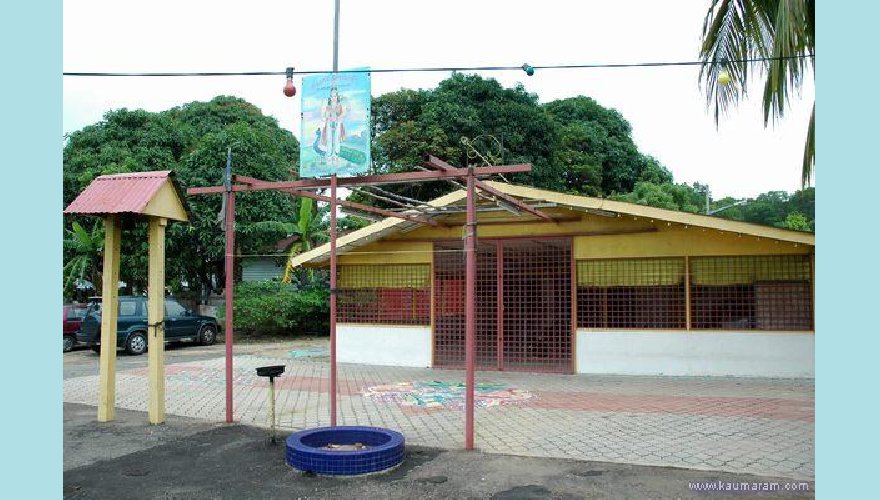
(784, 74)
(783, 32)
(809, 150)
(733, 30)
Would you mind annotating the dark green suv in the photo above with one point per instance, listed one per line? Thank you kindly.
(131, 327)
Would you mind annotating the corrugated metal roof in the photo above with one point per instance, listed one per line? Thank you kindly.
(120, 193)
(392, 225)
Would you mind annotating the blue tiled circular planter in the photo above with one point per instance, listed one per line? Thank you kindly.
(307, 450)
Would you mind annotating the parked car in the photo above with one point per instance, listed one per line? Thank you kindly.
(181, 324)
(72, 318)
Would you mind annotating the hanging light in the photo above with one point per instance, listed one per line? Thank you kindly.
(289, 87)
(528, 69)
(724, 74)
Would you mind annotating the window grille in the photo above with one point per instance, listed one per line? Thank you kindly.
(768, 292)
(397, 294)
(631, 293)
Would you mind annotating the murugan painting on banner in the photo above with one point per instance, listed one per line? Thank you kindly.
(335, 124)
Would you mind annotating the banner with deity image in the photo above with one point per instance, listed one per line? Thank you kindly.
(335, 124)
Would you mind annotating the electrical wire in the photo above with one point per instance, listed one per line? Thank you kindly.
(426, 70)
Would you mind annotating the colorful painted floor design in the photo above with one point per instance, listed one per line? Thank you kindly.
(446, 395)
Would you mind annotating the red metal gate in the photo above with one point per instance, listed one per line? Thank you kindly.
(523, 305)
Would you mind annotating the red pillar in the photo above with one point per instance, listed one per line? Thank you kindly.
(230, 249)
(470, 307)
(499, 304)
(333, 300)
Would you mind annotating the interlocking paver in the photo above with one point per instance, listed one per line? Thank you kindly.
(761, 426)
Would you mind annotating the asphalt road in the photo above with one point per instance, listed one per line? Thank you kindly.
(82, 361)
(193, 459)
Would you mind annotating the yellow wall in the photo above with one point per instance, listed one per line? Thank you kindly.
(679, 241)
(410, 252)
(645, 238)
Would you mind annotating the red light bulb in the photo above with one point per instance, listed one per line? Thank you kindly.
(289, 88)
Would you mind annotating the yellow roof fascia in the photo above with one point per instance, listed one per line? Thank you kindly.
(658, 214)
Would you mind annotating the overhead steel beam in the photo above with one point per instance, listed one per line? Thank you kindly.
(365, 180)
(345, 203)
(366, 208)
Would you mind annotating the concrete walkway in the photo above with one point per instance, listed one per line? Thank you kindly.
(757, 426)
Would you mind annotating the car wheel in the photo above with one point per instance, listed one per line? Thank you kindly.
(69, 342)
(207, 335)
(136, 343)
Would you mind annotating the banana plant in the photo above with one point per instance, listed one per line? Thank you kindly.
(312, 230)
(86, 249)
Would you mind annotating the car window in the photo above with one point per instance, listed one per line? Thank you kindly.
(127, 308)
(172, 308)
(76, 312)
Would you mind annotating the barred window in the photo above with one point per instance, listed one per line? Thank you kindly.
(397, 294)
(767, 292)
(631, 293)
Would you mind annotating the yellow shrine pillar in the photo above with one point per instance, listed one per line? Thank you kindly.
(109, 314)
(156, 319)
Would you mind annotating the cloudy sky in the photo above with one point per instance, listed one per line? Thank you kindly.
(664, 105)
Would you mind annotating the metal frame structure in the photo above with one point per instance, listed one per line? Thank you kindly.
(443, 171)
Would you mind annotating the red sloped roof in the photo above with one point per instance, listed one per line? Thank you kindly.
(118, 193)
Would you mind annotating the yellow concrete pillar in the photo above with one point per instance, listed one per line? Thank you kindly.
(109, 313)
(156, 319)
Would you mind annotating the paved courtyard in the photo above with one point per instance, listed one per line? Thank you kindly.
(758, 426)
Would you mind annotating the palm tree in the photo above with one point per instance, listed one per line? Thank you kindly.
(87, 251)
(780, 31)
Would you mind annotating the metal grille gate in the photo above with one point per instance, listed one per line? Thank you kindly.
(523, 305)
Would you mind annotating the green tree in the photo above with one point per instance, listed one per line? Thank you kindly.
(574, 145)
(596, 150)
(774, 208)
(796, 221)
(192, 141)
(781, 30)
(669, 196)
(409, 124)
